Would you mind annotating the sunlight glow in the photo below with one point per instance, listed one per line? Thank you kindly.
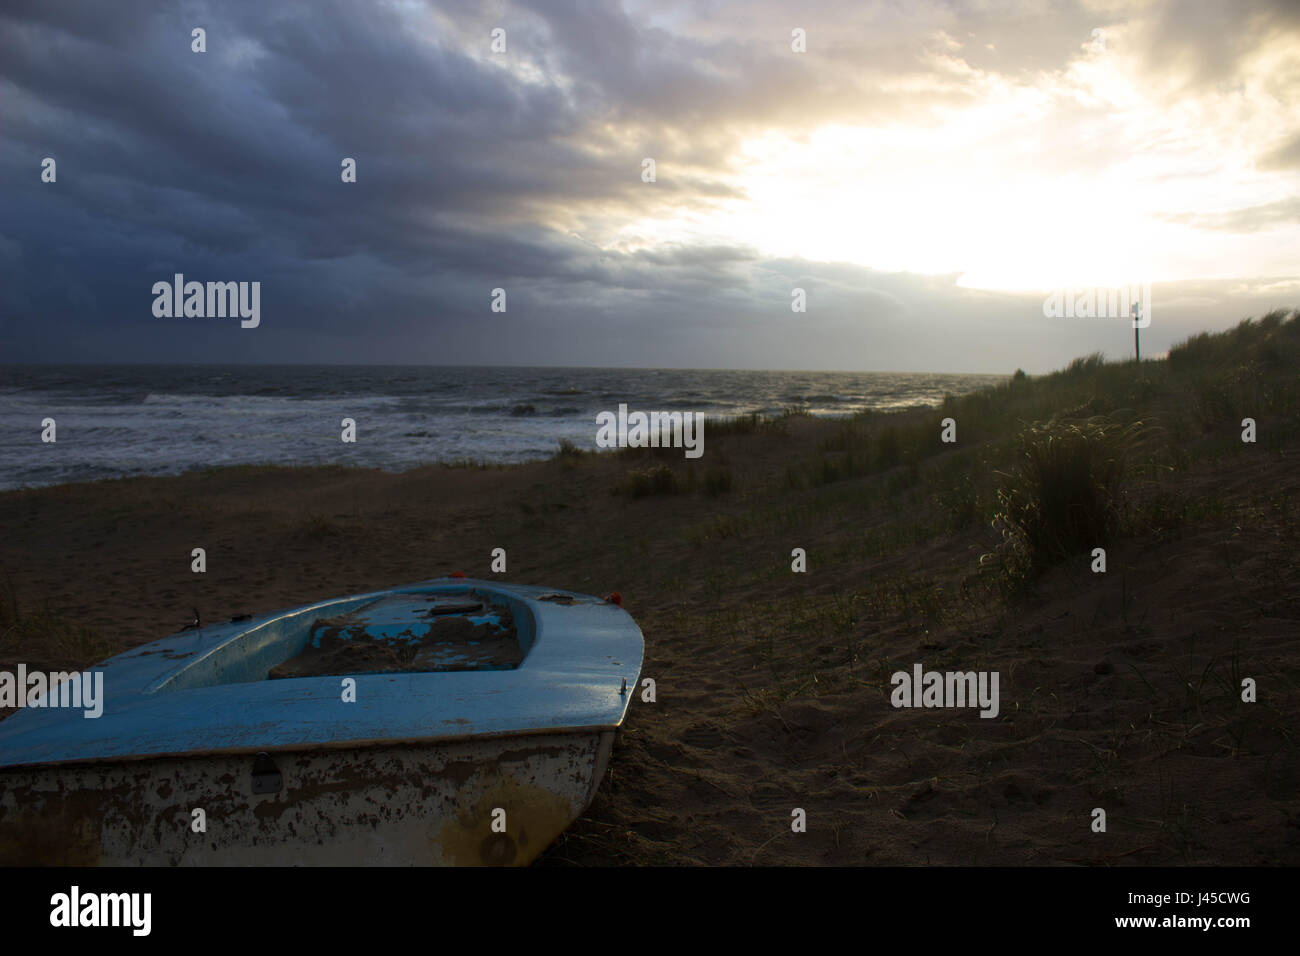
(1075, 177)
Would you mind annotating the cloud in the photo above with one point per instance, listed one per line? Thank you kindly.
(523, 171)
(1266, 216)
(1285, 156)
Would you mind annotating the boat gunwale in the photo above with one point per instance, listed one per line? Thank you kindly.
(556, 667)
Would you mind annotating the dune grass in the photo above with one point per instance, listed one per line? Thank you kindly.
(1058, 454)
(44, 633)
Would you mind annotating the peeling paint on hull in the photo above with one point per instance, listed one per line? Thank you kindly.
(406, 804)
(321, 769)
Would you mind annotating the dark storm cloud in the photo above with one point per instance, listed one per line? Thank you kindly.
(477, 171)
(229, 168)
(225, 165)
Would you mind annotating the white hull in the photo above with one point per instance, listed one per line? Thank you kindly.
(426, 803)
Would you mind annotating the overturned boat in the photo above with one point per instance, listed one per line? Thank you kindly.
(448, 722)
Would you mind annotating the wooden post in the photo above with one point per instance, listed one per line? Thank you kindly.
(1136, 312)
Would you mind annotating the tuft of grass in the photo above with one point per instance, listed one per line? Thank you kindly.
(747, 424)
(639, 483)
(43, 636)
(1065, 492)
(958, 503)
(568, 449)
(1085, 365)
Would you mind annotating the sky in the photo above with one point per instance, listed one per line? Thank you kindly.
(927, 173)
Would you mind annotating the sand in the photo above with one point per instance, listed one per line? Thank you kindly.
(772, 688)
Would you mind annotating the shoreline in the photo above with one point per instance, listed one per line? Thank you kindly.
(115, 421)
(724, 421)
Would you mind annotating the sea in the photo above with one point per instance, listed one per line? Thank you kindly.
(114, 421)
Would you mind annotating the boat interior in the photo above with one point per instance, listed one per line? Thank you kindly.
(406, 631)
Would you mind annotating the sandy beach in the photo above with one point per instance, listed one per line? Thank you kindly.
(1118, 690)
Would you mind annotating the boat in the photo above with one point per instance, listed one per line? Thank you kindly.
(450, 722)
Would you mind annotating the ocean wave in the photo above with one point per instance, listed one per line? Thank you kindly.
(163, 420)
